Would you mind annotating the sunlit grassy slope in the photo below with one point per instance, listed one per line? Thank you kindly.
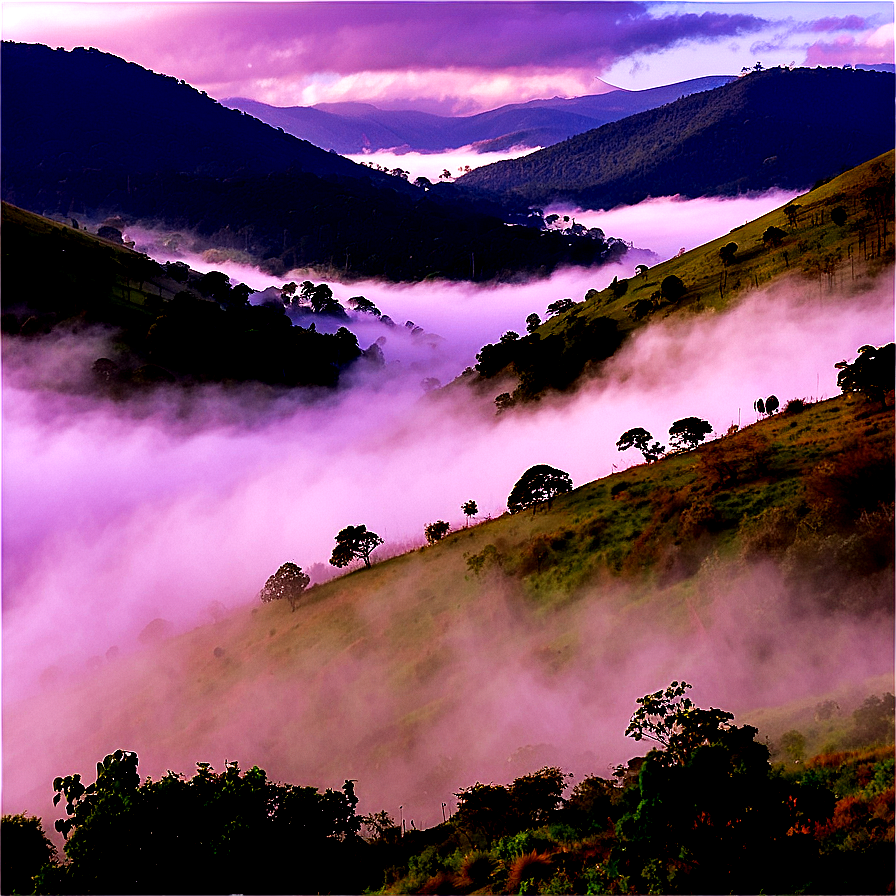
(834, 239)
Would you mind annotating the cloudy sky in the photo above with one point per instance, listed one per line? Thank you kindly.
(450, 57)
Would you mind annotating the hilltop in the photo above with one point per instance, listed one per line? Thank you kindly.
(837, 236)
(777, 128)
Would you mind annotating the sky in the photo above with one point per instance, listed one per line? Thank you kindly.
(454, 58)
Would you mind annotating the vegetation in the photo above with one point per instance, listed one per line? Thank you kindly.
(705, 811)
(288, 582)
(436, 531)
(806, 124)
(354, 543)
(816, 252)
(538, 485)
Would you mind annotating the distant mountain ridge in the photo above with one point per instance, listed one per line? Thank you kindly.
(359, 127)
(778, 128)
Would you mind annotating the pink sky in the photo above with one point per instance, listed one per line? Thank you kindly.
(454, 58)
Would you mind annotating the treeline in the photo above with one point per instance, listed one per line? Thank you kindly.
(779, 128)
(705, 811)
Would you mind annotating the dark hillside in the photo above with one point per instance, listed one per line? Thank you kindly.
(87, 134)
(778, 128)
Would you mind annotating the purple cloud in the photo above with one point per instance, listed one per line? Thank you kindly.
(833, 23)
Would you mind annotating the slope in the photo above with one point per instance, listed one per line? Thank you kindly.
(777, 128)
(839, 236)
(89, 135)
(523, 641)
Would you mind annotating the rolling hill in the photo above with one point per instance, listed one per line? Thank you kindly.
(89, 135)
(776, 128)
(361, 127)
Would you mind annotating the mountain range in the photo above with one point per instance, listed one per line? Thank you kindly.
(361, 127)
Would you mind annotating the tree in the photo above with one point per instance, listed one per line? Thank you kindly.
(537, 485)
(354, 543)
(727, 253)
(533, 322)
(707, 812)
(838, 215)
(640, 438)
(773, 236)
(871, 374)
(688, 433)
(560, 306)
(469, 509)
(364, 305)
(224, 832)
(288, 582)
(672, 288)
(793, 213)
(509, 336)
(436, 531)
(24, 850)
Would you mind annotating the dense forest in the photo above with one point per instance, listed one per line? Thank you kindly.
(86, 134)
(778, 128)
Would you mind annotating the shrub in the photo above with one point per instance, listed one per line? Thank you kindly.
(526, 870)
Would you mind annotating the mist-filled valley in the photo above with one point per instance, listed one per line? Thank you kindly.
(138, 534)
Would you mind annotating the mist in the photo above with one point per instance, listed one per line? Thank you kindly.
(668, 224)
(432, 164)
(116, 515)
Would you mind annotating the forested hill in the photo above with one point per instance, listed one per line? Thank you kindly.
(777, 128)
(86, 134)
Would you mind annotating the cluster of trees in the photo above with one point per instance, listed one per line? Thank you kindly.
(684, 435)
(548, 362)
(704, 811)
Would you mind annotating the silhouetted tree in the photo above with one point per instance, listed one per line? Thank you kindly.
(773, 236)
(640, 438)
(537, 485)
(727, 253)
(436, 531)
(24, 850)
(470, 509)
(533, 322)
(560, 306)
(688, 433)
(288, 582)
(672, 288)
(871, 374)
(359, 303)
(354, 543)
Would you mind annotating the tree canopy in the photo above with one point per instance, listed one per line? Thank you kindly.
(688, 433)
(288, 582)
(871, 374)
(537, 485)
(436, 531)
(641, 439)
(354, 543)
(222, 832)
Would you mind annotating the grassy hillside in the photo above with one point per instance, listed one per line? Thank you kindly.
(836, 252)
(778, 128)
(770, 548)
